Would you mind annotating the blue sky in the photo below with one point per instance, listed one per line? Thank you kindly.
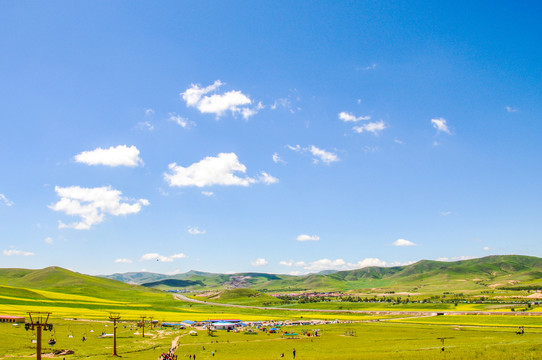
(284, 137)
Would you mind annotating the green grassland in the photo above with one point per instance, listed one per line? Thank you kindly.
(89, 299)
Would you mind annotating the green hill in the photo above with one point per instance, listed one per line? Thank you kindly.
(477, 274)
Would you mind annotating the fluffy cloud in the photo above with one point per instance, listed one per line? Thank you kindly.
(305, 237)
(440, 125)
(92, 204)
(210, 171)
(182, 122)
(48, 240)
(149, 112)
(455, 258)
(4, 200)
(277, 159)
(195, 231)
(123, 261)
(145, 125)
(121, 155)
(372, 127)
(233, 101)
(208, 193)
(349, 117)
(403, 242)
(259, 262)
(15, 252)
(322, 155)
(337, 264)
(158, 257)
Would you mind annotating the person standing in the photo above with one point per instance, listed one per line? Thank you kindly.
(293, 353)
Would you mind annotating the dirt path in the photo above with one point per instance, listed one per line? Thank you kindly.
(368, 312)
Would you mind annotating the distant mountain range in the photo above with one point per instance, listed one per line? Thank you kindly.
(424, 276)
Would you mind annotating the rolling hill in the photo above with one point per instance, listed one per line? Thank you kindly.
(475, 274)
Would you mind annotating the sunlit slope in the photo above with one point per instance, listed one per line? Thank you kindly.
(424, 276)
(59, 280)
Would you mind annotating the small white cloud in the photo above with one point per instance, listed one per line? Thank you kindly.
(305, 237)
(296, 148)
(158, 257)
(208, 193)
(454, 258)
(149, 112)
(48, 240)
(349, 117)
(397, 141)
(372, 127)
(181, 121)
(370, 67)
(210, 171)
(282, 102)
(121, 155)
(4, 200)
(487, 248)
(445, 213)
(277, 159)
(359, 101)
(288, 263)
(123, 261)
(259, 262)
(337, 264)
(15, 252)
(403, 242)
(322, 155)
(267, 179)
(92, 204)
(440, 125)
(233, 101)
(511, 109)
(145, 125)
(195, 231)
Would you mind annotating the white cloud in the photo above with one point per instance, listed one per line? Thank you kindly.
(329, 264)
(5, 200)
(397, 141)
(149, 112)
(158, 257)
(296, 148)
(445, 213)
(305, 237)
(322, 155)
(267, 179)
(210, 171)
(370, 67)
(454, 258)
(282, 102)
(195, 231)
(277, 159)
(440, 125)
(233, 101)
(123, 261)
(372, 127)
(208, 193)
(511, 109)
(487, 248)
(182, 122)
(288, 263)
(121, 155)
(259, 262)
(92, 204)
(403, 242)
(145, 125)
(48, 240)
(349, 117)
(15, 252)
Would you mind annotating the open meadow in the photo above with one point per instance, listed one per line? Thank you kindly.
(355, 336)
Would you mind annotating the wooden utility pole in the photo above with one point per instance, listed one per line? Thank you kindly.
(38, 323)
(114, 317)
(150, 324)
(143, 324)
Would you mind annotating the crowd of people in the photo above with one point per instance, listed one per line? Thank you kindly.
(168, 356)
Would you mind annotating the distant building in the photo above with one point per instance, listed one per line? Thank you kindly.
(12, 319)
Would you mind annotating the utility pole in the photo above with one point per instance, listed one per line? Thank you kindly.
(151, 323)
(37, 323)
(143, 324)
(114, 317)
